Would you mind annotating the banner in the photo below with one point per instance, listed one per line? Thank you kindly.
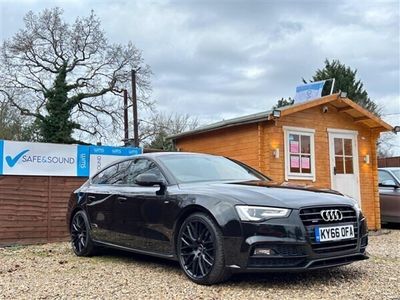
(309, 91)
(45, 159)
(101, 156)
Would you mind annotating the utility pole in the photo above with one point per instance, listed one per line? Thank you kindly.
(134, 106)
(126, 129)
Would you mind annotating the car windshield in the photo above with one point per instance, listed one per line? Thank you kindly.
(194, 168)
(397, 173)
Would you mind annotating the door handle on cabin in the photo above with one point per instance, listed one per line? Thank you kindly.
(122, 199)
(91, 198)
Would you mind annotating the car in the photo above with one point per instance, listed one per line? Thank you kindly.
(389, 194)
(215, 216)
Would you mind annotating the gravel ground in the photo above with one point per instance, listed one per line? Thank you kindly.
(52, 271)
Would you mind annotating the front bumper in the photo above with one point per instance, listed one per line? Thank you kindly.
(292, 246)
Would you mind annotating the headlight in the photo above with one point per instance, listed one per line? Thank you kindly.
(258, 213)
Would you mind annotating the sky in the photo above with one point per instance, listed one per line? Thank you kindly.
(221, 59)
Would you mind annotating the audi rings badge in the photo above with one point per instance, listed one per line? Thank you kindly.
(331, 215)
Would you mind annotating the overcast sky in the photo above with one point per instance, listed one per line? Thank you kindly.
(221, 59)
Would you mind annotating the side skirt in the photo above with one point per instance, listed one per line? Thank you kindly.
(160, 255)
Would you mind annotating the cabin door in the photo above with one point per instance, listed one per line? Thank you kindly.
(343, 154)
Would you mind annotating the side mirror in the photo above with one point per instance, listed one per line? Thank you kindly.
(150, 179)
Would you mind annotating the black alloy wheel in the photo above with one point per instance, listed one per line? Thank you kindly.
(200, 250)
(80, 237)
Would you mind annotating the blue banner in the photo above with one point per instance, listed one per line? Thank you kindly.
(309, 91)
(83, 161)
(118, 151)
(46, 159)
(1, 156)
(102, 156)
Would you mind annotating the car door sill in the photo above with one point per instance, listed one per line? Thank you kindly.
(167, 256)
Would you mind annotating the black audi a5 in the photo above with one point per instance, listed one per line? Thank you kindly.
(215, 216)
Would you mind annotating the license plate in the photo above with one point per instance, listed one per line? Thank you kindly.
(334, 233)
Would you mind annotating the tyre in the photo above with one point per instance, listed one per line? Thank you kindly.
(200, 250)
(81, 242)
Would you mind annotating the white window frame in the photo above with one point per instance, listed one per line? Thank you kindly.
(300, 131)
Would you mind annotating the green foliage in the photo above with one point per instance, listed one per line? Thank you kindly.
(283, 102)
(160, 141)
(345, 81)
(56, 126)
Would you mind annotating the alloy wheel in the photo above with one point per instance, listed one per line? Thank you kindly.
(78, 233)
(197, 249)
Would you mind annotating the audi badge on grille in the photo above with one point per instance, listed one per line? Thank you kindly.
(331, 215)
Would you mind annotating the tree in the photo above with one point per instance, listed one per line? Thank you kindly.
(61, 74)
(387, 143)
(154, 132)
(346, 81)
(12, 127)
(283, 102)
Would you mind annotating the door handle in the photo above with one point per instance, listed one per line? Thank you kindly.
(122, 199)
(91, 198)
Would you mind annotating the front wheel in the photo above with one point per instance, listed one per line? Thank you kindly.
(81, 242)
(200, 250)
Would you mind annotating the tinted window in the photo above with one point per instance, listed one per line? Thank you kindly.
(141, 166)
(116, 174)
(192, 168)
(121, 173)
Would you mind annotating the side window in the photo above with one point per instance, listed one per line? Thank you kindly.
(103, 176)
(121, 173)
(115, 174)
(385, 177)
(141, 166)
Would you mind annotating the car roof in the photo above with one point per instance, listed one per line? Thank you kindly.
(390, 168)
(159, 154)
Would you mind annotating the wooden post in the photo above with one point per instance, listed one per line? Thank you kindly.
(134, 106)
(126, 130)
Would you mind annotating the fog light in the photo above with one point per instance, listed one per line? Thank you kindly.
(263, 251)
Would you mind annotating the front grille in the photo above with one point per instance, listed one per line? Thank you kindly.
(290, 250)
(256, 262)
(311, 218)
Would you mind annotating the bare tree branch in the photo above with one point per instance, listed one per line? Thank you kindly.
(95, 69)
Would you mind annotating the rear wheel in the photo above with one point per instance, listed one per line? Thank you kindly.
(200, 250)
(81, 242)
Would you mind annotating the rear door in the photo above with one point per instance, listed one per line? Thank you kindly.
(101, 199)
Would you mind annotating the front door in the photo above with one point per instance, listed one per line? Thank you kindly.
(141, 212)
(344, 163)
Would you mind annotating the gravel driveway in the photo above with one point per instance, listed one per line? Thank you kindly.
(52, 271)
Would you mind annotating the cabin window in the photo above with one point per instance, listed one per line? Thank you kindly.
(299, 153)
